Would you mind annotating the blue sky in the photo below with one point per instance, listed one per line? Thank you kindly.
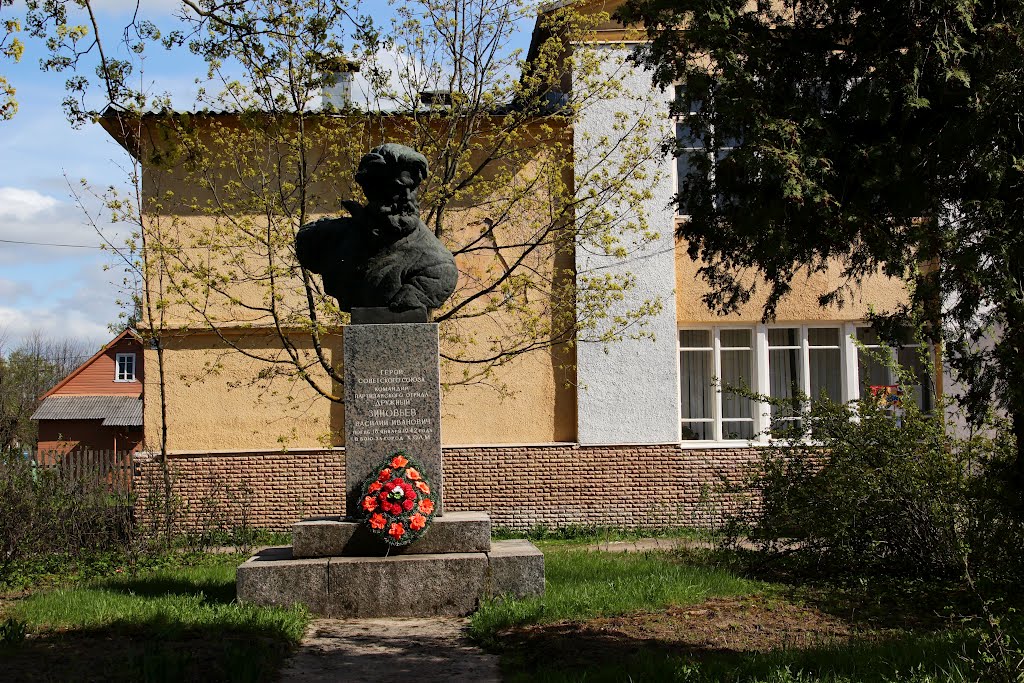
(66, 291)
(62, 291)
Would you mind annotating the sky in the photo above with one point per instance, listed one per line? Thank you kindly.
(72, 291)
(62, 291)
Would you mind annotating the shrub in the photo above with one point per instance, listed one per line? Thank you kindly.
(51, 513)
(866, 489)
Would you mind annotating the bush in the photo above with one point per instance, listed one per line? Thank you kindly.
(865, 489)
(50, 514)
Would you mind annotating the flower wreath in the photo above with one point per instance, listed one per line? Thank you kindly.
(397, 501)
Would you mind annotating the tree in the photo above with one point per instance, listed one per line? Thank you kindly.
(26, 372)
(503, 193)
(879, 135)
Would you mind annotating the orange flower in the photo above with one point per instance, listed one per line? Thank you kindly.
(377, 521)
(426, 506)
(422, 486)
(376, 486)
(398, 461)
(412, 474)
(396, 530)
(384, 475)
(417, 522)
(369, 503)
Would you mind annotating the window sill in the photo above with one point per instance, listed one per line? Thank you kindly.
(693, 445)
(712, 445)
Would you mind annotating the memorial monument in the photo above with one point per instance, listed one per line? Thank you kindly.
(389, 271)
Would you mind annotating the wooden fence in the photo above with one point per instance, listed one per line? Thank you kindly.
(114, 467)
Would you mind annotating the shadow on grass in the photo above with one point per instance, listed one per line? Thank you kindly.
(215, 591)
(172, 625)
(868, 602)
(100, 655)
(569, 652)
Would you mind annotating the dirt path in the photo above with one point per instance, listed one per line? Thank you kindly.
(371, 650)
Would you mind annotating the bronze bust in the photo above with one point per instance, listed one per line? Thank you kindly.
(383, 256)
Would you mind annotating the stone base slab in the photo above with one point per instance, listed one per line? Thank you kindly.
(455, 532)
(416, 585)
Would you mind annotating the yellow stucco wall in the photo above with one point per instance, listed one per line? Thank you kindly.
(235, 406)
(801, 304)
(218, 400)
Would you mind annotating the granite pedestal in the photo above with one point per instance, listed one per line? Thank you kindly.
(337, 571)
(336, 566)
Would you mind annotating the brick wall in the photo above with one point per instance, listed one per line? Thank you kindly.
(267, 490)
(520, 486)
(630, 486)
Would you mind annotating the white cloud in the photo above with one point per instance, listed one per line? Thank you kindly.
(13, 290)
(29, 216)
(22, 205)
(19, 324)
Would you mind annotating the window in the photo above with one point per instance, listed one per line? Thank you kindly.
(690, 148)
(707, 413)
(878, 377)
(786, 362)
(124, 367)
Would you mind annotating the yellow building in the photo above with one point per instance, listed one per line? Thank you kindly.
(571, 426)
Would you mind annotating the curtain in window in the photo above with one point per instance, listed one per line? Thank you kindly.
(825, 363)
(696, 369)
(737, 359)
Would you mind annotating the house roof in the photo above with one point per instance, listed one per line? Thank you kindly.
(115, 411)
(83, 366)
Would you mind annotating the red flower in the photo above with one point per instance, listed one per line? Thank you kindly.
(417, 522)
(426, 506)
(396, 530)
(375, 486)
(384, 475)
(398, 461)
(422, 486)
(377, 521)
(407, 504)
(369, 503)
(412, 474)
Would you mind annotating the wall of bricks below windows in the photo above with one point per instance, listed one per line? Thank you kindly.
(520, 486)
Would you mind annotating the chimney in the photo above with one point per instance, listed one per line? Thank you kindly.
(339, 73)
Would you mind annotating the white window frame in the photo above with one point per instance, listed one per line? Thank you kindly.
(714, 153)
(130, 357)
(848, 379)
(894, 353)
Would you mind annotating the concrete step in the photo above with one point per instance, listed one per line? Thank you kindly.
(453, 532)
(414, 585)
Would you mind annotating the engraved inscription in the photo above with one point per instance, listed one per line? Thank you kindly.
(388, 401)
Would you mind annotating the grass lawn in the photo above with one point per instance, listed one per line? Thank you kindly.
(686, 616)
(171, 624)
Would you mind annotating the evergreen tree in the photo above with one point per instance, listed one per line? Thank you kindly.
(885, 136)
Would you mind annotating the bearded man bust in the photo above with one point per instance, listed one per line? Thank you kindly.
(383, 256)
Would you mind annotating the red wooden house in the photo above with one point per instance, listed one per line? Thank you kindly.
(99, 405)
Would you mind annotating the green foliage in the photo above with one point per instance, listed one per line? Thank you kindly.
(876, 493)
(581, 585)
(12, 631)
(874, 135)
(52, 518)
(868, 489)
